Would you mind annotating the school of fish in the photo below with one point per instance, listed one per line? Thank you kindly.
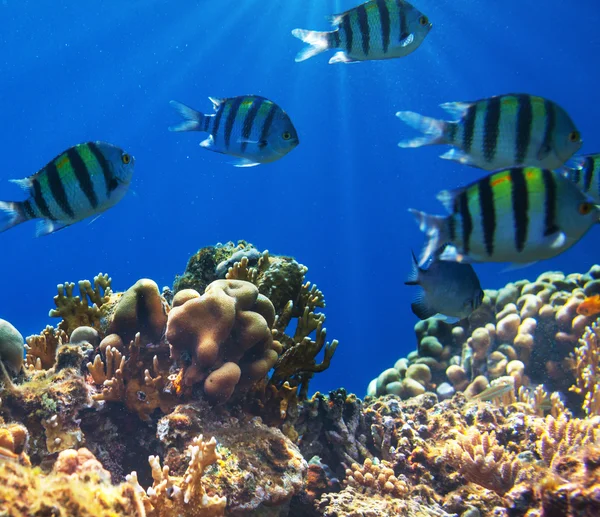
(536, 200)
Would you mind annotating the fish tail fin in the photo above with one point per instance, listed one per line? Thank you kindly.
(317, 42)
(193, 120)
(413, 277)
(11, 214)
(435, 228)
(434, 130)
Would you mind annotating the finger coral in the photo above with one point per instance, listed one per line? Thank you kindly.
(83, 310)
(480, 459)
(182, 495)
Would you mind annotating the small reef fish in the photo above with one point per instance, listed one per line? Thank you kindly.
(83, 181)
(251, 128)
(584, 171)
(377, 29)
(500, 132)
(450, 289)
(520, 215)
(590, 306)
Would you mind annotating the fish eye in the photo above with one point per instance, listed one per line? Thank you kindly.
(574, 136)
(125, 158)
(287, 135)
(423, 20)
(585, 208)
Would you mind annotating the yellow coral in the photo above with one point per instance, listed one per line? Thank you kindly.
(41, 349)
(26, 491)
(82, 310)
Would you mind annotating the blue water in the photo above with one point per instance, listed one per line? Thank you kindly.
(74, 71)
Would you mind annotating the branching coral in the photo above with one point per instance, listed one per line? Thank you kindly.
(560, 437)
(41, 349)
(182, 495)
(124, 378)
(297, 363)
(587, 370)
(82, 310)
(482, 460)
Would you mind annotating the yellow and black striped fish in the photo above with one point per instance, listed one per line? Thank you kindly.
(85, 180)
(377, 29)
(512, 130)
(584, 171)
(519, 215)
(249, 127)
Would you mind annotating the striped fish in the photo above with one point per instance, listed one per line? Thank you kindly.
(584, 170)
(518, 215)
(513, 130)
(377, 29)
(85, 180)
(249, 127)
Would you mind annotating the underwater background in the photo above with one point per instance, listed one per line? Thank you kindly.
(75, 71)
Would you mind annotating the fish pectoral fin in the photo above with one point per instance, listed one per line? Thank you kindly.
(25, 183)
(456, 155)
(208, 143)
(341, 57)
(244, 162)
(556, 240)
(544, 151)
(407, 40)
(46, 227)
(451, 254)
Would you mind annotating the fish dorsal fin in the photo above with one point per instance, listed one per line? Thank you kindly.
(25, 183)
(216, 102)
(336, 19)
(447, 198)
(413, 277)
(456, 109)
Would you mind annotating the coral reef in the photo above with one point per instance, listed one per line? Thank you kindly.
(526, 330)
(195, 403)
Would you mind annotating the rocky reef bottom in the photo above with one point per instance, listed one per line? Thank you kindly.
(339, 456)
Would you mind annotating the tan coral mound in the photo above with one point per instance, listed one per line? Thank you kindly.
(223, 337)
